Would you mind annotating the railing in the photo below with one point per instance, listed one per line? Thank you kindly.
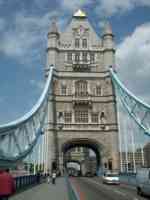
(22, 182)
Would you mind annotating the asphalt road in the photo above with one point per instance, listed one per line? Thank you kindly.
(94, 189)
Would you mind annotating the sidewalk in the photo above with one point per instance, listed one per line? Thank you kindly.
(45, 192)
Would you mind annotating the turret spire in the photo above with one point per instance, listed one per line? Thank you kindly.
(80, 14)
(53, 27)
(107, 29)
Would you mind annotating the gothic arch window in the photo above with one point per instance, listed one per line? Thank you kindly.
(84, 56)
(77, 42)
(98, 90)
(84, 43)
(69, 56)
(63, 89)
(81, 88)
(77, 56)
(94, 117)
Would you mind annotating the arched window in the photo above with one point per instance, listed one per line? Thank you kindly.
(84, 56)
(84, 43)
(81, 88)
(77, 42)
(63, 89)
(98, 90)
(77, 56)
(69, 56)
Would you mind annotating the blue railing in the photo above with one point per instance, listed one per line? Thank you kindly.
(23, 182)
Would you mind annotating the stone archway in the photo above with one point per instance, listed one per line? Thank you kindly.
(83, 142)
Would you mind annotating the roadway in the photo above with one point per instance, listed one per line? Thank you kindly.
(94, 189)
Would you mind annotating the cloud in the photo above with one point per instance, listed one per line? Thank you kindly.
(25, 39)
(38, 84)
(133, 61)
(75, 4)
(112, 7)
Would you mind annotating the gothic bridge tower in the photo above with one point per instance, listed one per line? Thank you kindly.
(82, 93)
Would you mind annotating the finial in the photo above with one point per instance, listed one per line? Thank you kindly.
(80, 14)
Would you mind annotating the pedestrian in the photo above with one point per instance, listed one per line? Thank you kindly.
(7, 184)
(48, 178)
(53, 177)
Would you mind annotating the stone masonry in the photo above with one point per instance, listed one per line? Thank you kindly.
(82, 104)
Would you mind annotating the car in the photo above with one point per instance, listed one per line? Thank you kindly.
(111, 178)
(143, 181)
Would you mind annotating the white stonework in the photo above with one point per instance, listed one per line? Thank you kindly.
(82, 85)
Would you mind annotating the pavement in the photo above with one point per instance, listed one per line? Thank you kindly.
(45, 191)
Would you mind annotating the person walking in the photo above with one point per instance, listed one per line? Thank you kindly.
(53, 177)
(48, 178)
(7, 185)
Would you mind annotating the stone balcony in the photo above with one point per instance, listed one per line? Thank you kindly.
(83, 99)
(90, 127)
(81, 65)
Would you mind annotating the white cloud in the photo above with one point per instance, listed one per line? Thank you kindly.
(111, 7)
(75, 4)
(38, 84)
(133, 61)
(26, 39)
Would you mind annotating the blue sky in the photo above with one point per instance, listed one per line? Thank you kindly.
(23, 38)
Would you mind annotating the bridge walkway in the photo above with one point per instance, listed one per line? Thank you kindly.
(45, 191)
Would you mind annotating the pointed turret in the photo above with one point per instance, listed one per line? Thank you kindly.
(53, 28)
(108, 45)
(52, 48)
(107, 29)
(108, 36)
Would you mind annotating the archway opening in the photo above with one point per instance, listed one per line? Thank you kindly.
(86, 152)
(73, 167)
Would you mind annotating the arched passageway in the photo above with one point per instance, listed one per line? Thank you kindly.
(85, 143)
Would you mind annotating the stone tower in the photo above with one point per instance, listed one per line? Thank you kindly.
(82, 99)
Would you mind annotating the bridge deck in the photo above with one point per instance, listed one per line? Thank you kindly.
(45, 192)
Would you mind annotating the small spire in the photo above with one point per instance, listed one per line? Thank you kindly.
(107, 29)
(80, 14)
(53, 27)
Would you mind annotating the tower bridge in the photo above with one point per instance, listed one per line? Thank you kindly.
(83, 104)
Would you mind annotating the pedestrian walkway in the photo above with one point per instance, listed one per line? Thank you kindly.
(45, 192)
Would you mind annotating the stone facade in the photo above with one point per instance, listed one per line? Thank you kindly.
(83, 94)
